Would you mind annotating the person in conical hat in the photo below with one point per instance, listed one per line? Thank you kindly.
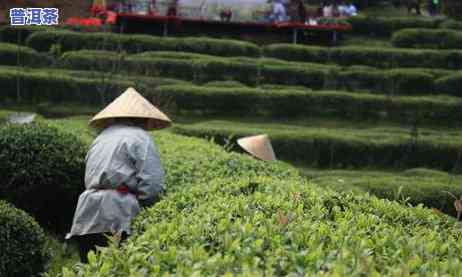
(123, 171)
(258, 146)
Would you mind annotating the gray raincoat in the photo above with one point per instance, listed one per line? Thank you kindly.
(121, 154)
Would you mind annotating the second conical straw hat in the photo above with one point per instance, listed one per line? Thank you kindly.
(258, 146)
(131, 104)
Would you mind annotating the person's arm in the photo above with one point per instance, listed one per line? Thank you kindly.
(150, 173)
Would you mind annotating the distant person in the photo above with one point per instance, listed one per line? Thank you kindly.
(123, 172)
(301, 11)
(172, 8)
(351, 10)
(343, 9)
(279, 12)
(328, 10)
(226, 14)
(153, 7)
(298, 11)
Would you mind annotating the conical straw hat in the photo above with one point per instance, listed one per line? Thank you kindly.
(258, 146)
(131, 104)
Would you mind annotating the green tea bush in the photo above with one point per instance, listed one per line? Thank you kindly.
(225, 84)
(198, 70)
(451, 24)
(386, 26)
(18, 34)
(42, 41)
(43, 169)
(450, 84)
(413, 186)
(55, 87)
(425, 38)
(290, 103)
(370, 56)
(23, 243)
(246, 217)
(11, 54)
(322, 148)
(202, 68)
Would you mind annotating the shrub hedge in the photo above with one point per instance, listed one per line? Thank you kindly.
(43, 169)
(36, 87)
(11, 54)
(370, 56)
(451, 84)
(419, 185)
(327, 148)
(18, 34)
(42, 41)
(50, 87)
(386, 26)
(23, 243)
(425, 38)
(245, 217)
(225, 84)
(202, 68)
(451, 24)
(307, 103)
(71, 87)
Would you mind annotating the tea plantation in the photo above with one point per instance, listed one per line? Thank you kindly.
(368, 134)
(226, 213)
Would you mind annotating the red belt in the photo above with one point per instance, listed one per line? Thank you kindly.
(122, 189)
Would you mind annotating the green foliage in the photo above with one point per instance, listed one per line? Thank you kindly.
(386, 26)
(11, 54)
(429, 39)
(419, 186)
(291, 103)
(18, 34)
(42, 41)
(381, 57)
(342, 147)
(227, 214)
(91, 88)
(42, 170)
(451, 24)
(450, 84)
(225, 84)
(23, 243)
(250, 71)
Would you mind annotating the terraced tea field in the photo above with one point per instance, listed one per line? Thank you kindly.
(369, 135)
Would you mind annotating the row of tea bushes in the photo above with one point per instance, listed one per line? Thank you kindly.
(13, 54)
(19, 34)
(416, 185)
(370, 56)
(67, 40)
(386, 26)
(427, 38)
(253, 72)
(292, 103)
(330, 148)
(345, 56)
(51, 87)
(62, 86)
(227, 214)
